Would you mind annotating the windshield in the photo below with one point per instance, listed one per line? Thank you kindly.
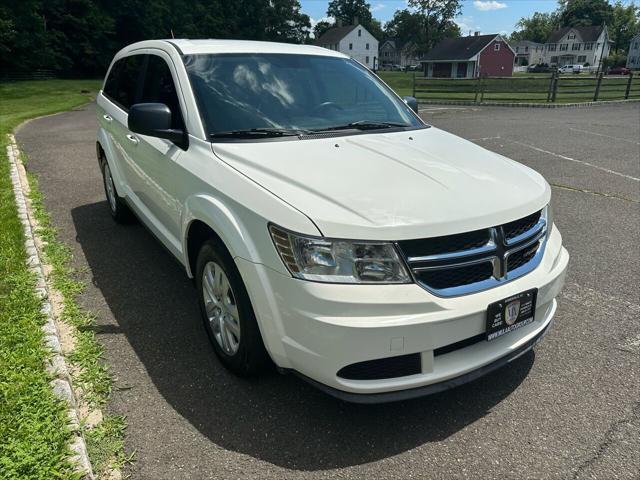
(279, 93)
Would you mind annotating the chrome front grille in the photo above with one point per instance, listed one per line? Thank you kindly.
(474, 261)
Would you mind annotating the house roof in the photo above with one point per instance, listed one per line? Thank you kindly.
(462, 48)
(587, 34)
(334, 35)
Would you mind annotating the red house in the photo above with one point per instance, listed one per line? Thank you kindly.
(469, 57)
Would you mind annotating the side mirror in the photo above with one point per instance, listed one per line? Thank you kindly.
(412, 103)
(154, 119)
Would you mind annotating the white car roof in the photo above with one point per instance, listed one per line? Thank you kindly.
(189, 47)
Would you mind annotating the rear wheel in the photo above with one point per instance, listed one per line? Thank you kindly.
(119, 209)
(227, 313)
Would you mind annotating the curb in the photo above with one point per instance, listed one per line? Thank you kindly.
(530, 105)
(56, 365)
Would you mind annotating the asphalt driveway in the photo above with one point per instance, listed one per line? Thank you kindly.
(571, 409)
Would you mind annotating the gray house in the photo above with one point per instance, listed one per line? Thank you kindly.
(528, 53)
(577, 45)
(393, 52)
(633, 54)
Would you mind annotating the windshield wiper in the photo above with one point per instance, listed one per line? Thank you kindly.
(258, 132)
(362, 125)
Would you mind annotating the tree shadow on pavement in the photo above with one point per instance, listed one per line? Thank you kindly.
(276, 418)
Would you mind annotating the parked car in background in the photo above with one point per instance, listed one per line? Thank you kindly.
(618, 71)
(570, 69)
(397, 68)
(540, 68)
(327, 227)
(413, 68)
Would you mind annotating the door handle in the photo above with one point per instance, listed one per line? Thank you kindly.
(108, 118)
(133, 139)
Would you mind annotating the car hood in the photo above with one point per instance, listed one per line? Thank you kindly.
(391, 186)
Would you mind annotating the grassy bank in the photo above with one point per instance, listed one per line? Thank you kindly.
(34, 433)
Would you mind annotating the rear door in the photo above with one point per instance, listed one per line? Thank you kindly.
(122, 89)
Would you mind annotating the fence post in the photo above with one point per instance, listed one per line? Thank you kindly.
(414, 84)
(598, 82)
(550, 89)
(475, 99)
(626, 93)
(556, 80)
(482, 88)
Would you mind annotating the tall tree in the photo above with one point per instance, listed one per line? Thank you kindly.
(408, 26)
(625, 23)
(437, 14)
(347, 11)
(321, 27)
(536, 28)
(584, 13)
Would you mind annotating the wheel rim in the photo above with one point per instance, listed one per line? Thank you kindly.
(111, 190)
(221, 308)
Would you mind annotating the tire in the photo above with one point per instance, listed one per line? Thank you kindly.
(119, 209)
(236, 339)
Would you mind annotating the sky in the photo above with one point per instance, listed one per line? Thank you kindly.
(486, 16)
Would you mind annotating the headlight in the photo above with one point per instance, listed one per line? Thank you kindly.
(339, 261)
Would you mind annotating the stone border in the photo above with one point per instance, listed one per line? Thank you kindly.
(529, 105)
(56, 365)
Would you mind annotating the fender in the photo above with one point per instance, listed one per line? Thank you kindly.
(242, 239)
(106, 142)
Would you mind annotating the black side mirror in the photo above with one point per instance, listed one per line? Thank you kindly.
(154, 119)
(412, 103)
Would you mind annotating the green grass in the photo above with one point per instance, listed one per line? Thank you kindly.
(34, 431)
(521, 88)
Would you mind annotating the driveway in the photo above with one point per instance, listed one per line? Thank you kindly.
(571, 409)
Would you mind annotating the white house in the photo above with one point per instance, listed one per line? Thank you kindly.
(577, 45)
(528, 53)
(633, 54)
(352, 40)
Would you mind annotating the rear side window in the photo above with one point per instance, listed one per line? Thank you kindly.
(160, 88)
(122, 84)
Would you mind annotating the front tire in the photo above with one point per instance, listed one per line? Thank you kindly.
(227, 313)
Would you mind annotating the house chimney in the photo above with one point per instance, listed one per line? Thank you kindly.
(356, 20)
(476, 34)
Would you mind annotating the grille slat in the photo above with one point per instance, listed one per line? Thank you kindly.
(470, 262)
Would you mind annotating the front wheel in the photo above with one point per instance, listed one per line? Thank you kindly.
(227, 313)
(118, 208)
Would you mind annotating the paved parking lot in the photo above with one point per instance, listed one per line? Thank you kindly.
(571, 409)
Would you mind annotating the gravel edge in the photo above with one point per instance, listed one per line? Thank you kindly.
(56, 365)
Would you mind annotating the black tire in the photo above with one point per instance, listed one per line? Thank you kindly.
(117, 206)
(251, 356)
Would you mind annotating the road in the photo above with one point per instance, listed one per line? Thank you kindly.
(571, 409)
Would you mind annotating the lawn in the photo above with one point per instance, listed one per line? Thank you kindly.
(529, 88)
(34, 434)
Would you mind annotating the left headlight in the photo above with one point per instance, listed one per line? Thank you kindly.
(339, 261)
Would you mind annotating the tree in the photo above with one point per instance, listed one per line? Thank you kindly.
(625, 23)
(437, 15)
(407, 26)
(584, 13)
(348, 10)
(321, 27)
(536, 28)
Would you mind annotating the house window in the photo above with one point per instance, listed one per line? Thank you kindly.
(351, 46)
(588, 46)
(582, 58)
(554, 59)
(552, 47)
(367, 46)
(336, 47)
(576, 46)
(367, 59)
(571, 36)
(359, 32)
(496, 47)
(564, 47)
(526, 49)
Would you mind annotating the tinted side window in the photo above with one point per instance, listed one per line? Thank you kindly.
(160, 88)
(111, 84)
(128, 74)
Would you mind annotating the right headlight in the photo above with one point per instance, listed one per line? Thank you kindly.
(339, 261)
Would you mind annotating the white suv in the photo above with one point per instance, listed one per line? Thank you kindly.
(326, 226)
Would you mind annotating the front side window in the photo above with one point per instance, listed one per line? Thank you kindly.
(294, 92)
(159, 87)
(123, 87)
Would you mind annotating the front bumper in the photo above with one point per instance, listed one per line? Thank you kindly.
(316, 329)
